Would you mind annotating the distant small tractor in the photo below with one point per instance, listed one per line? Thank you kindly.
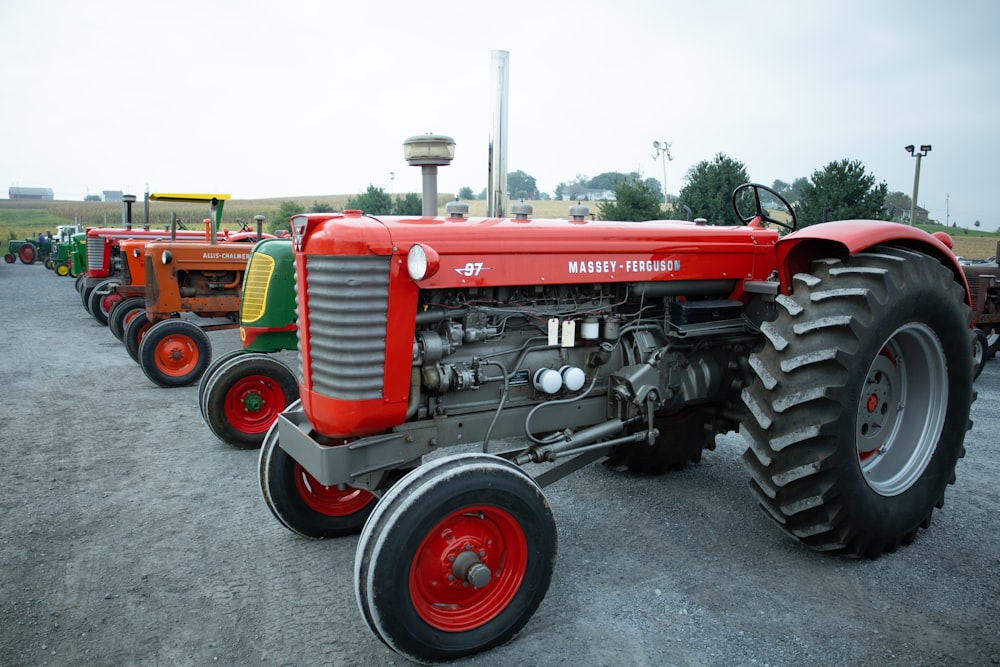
(60, 257)
(29, 250)
(984, 285)
(242, 393)
(841, 351)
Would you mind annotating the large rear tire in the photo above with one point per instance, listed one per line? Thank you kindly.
(456, 558)
(175, 353)
(243, 397)
(303, 505)
(861, 401)
(27, 253)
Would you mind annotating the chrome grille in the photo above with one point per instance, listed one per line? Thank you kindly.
(347, 303)
(95, 253)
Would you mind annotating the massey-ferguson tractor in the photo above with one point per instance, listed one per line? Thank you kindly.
(242, 392)
(533, 347)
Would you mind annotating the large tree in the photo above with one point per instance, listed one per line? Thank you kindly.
(521, 185)
(409, 204)
(708, 189)
(791, 192)
(282, 219)
(842, 190)
(634, 200)
(575, 189)
(374, 201)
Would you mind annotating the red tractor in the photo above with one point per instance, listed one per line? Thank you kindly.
(984, 285)
(841, 351)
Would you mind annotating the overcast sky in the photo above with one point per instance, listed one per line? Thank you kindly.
(259, 98)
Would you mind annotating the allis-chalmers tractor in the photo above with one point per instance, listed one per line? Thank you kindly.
(840, 351)
(199, 278)
(243, 391)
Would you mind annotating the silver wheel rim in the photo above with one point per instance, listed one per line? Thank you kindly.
(901, 410)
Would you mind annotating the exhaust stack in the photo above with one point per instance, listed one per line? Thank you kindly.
(496, 197)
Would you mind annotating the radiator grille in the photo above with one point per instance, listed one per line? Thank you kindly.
(255, 291)
(95, 253)
(347, 302)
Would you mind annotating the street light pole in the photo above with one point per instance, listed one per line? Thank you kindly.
(924, 150)
(663, 149)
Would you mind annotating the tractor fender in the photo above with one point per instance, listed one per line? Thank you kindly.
(795, 253)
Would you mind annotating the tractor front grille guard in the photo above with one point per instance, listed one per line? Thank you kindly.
(346, 306)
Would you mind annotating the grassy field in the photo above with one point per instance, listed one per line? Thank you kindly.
(21, 219)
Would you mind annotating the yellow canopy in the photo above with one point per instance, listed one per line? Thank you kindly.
(159, 196)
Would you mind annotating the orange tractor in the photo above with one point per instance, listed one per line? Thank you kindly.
(186, 281)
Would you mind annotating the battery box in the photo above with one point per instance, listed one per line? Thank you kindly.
(687, 313)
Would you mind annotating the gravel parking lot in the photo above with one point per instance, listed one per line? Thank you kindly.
(131, 536)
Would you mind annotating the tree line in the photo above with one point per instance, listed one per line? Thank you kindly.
(842, 190)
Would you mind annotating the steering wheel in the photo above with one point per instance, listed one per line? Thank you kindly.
(747, 204)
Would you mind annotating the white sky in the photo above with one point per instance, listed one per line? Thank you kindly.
(260, 98)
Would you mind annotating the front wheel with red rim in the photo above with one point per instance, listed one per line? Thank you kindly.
(103, 298)
(243, 397)
(135, 330)
(174, 353)
(456, 558)
(300, 502)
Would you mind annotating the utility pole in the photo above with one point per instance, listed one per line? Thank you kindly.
(924, 150)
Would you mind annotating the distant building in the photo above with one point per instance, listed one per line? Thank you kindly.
(591, 194)
(30, 193)
(112, 195)
(900, 214)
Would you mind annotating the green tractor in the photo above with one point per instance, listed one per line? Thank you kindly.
(29, 250)
(241, 393)
(61, 254)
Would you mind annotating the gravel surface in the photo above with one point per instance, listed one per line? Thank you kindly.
(131, 536)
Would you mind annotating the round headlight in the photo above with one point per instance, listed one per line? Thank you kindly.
(421, 262)
(416, 262)
(166, 257)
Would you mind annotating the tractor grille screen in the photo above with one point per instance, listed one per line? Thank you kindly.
(95, 253)
(255, 291)
(346, 310)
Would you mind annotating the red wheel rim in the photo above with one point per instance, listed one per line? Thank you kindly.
(27, 253)
(129, 317)
(143, 330)
(176, 355)
(253, 403)
(487, 535)
(109, 300)
(329, 500)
